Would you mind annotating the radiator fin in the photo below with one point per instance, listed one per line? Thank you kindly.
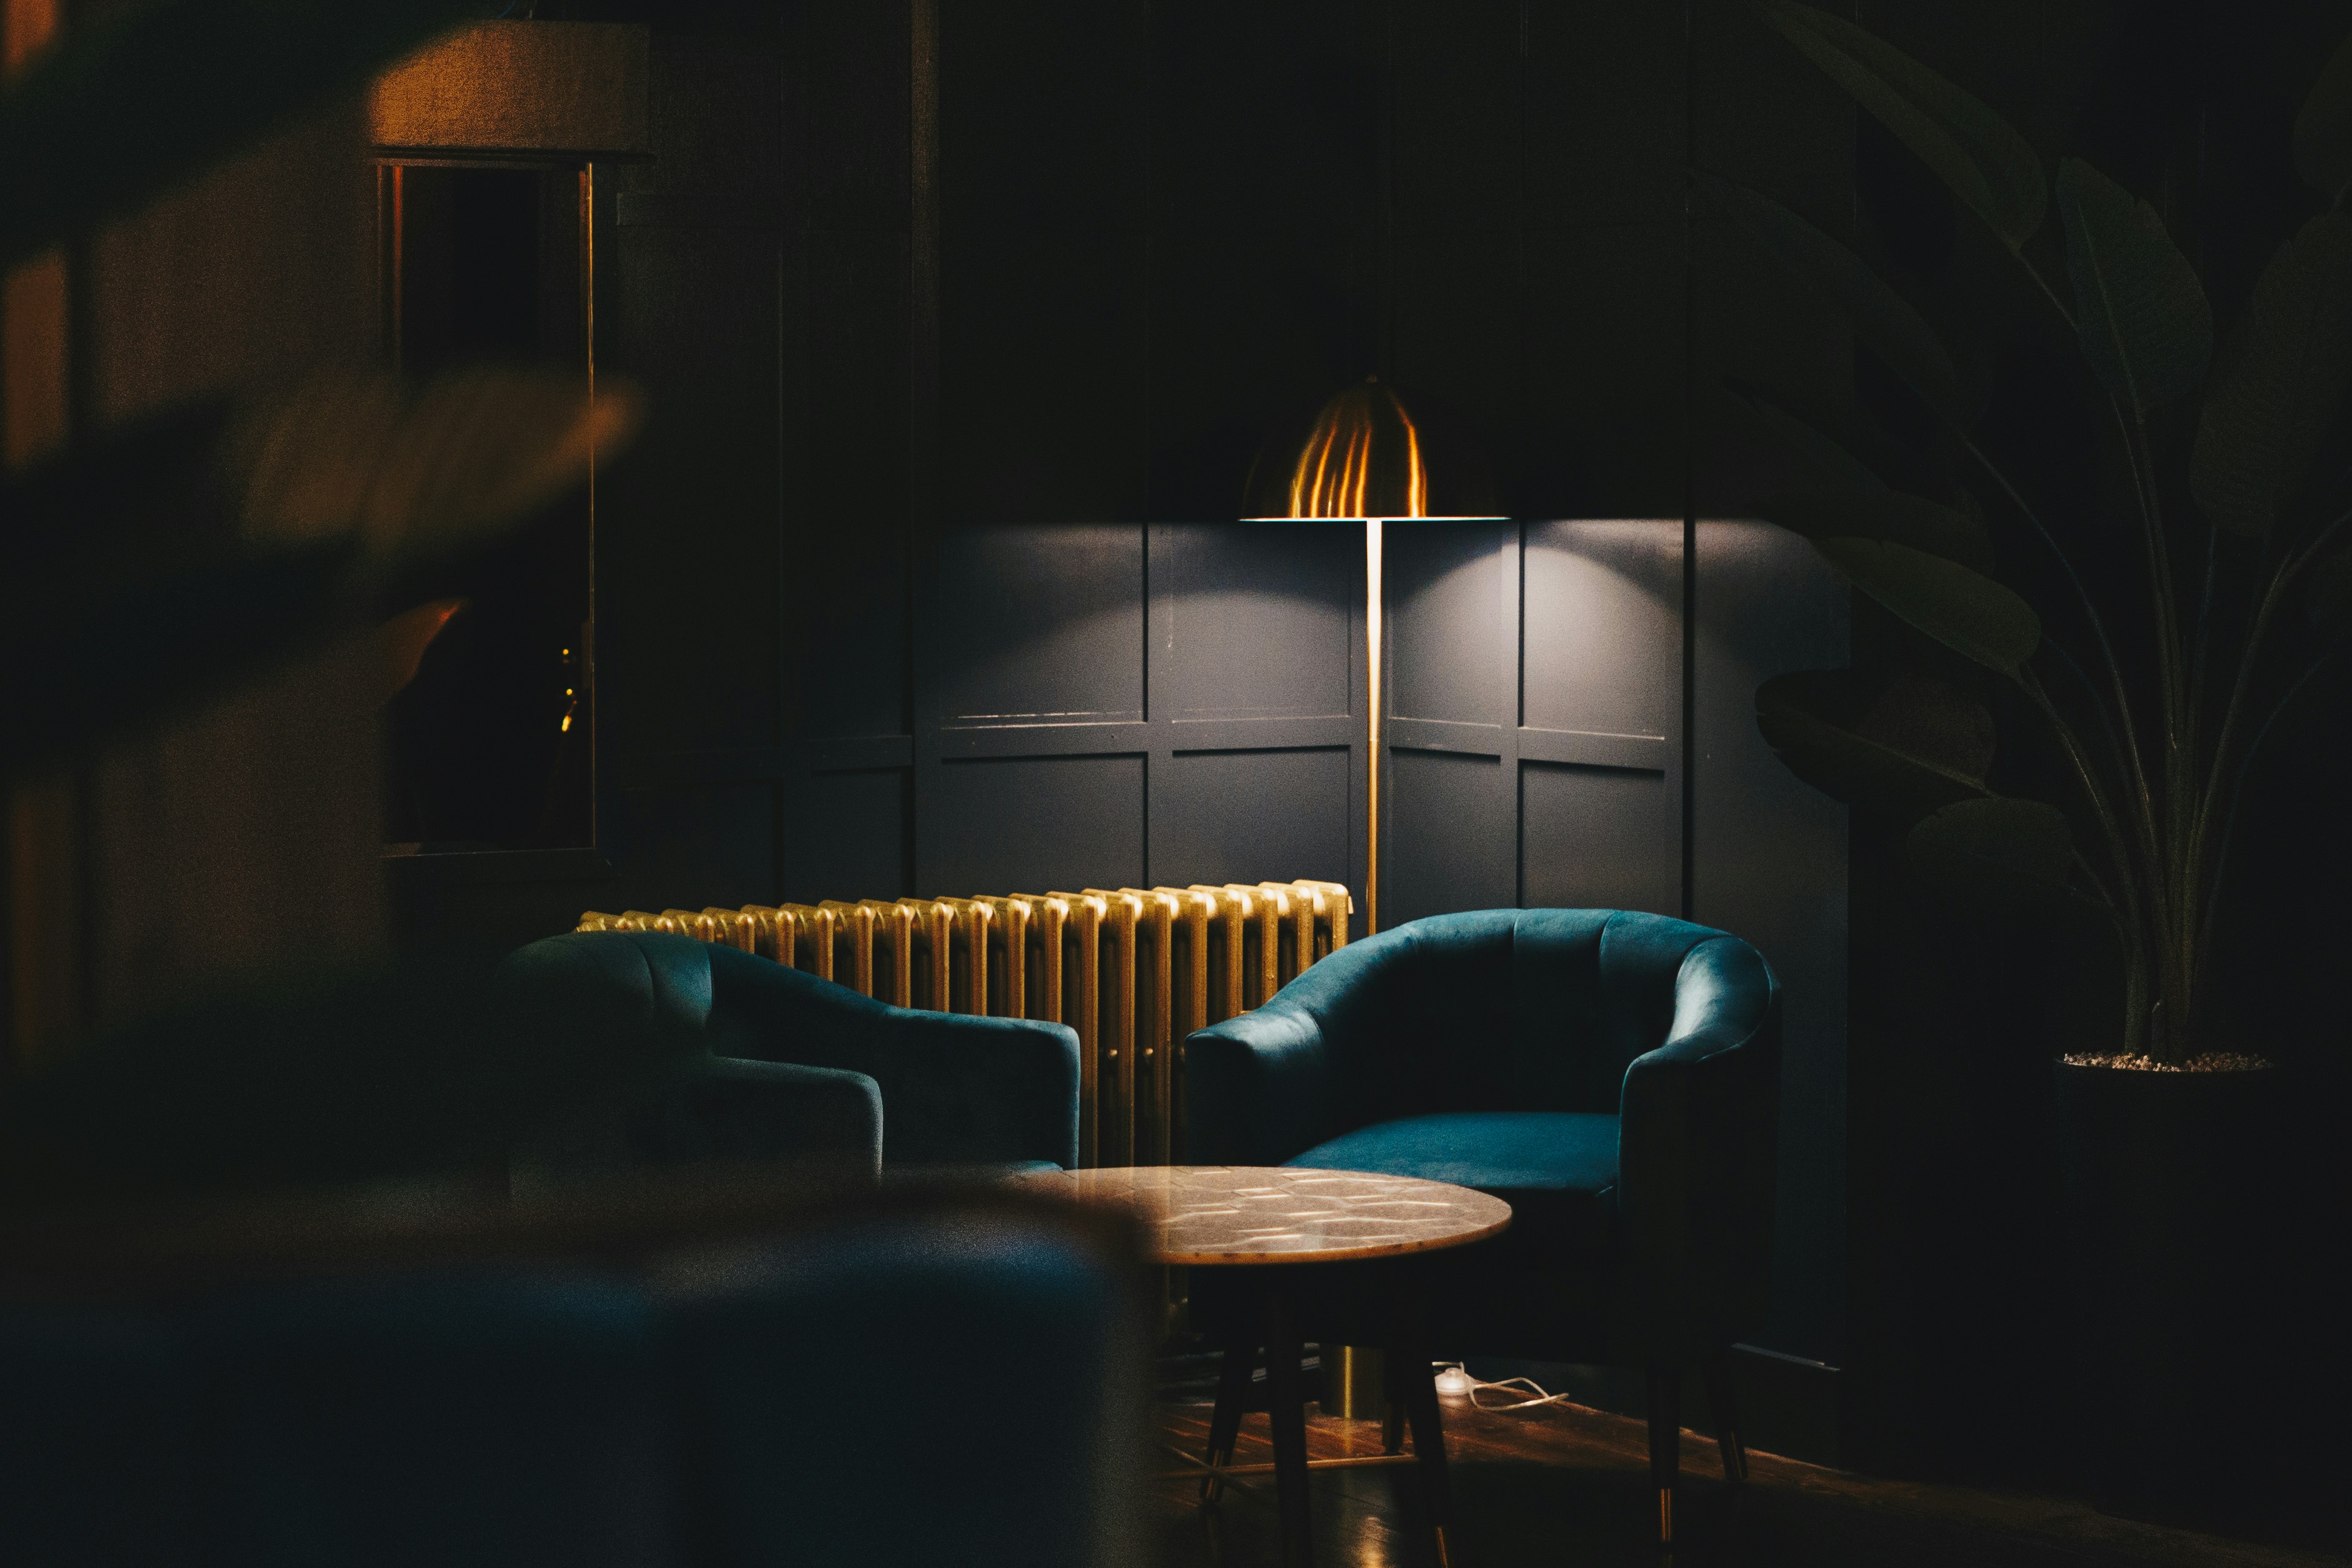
(1132, 971)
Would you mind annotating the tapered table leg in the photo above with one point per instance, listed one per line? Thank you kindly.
(1421, 1408)
(1226, 1420)
(1392, 1403)
(1286, 1397)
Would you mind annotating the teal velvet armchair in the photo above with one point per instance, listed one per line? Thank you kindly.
(772, 1063)
(1613, 1076)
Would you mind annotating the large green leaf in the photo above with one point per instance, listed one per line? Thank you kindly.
(2328, 589)
(2142, 314)
(1913, 747)
(1831, 457)
(125, 107)
(1976, 152)
(1880, 317)
(2322, 130)
(1888, 516)
(1966, 611)
(2002, 857)
(2279, 388)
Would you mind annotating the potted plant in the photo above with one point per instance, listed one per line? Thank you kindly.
(2150, 705)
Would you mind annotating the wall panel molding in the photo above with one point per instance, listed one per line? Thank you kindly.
(1240, 772)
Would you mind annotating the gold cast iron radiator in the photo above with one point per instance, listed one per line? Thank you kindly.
(1132, 971)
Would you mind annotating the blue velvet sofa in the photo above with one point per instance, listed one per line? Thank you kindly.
(768, 1062)
(1614, 1076)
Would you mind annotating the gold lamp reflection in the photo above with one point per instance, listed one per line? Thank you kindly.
(1362, 457)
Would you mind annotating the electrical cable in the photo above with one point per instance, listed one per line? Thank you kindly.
(1472, 1386)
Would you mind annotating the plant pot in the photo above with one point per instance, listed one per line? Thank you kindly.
(2172, 1184)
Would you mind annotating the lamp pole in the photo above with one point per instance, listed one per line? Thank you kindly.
(1373, 600)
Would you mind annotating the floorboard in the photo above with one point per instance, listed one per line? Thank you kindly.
(1566, 1485)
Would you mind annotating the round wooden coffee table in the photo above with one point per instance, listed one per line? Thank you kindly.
(1261, 1217)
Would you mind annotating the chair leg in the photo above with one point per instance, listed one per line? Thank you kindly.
(1226, 1421)
(1723, 1395)
(1665, 1443)
(1393, 1394)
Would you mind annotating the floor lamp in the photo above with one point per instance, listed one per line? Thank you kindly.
(1363, 458)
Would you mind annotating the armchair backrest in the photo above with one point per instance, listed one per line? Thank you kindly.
(655, 981)
(720, 999)
(956, 1090)
(1508, 1009)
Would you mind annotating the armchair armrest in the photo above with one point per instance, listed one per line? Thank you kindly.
(1255, 1088)
(724, 1108)
(1696, 1147)
(961, 1090)
(956, 1090)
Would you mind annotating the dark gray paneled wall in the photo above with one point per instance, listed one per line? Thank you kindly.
(1119, 704)
(1770, 857)
(1535, 688)
(895, 600)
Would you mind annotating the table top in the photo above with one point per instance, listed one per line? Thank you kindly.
(1288, 1214)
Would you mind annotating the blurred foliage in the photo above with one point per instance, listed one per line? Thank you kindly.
(148, 568)
(2156, 729)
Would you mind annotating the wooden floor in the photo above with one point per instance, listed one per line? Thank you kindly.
(1564, 1485)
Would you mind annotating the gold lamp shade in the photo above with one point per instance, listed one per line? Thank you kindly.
(1361, 457)
(1364, 455)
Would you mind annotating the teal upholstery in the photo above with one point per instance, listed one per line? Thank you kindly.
(491, 1416)
(758, 1401)
(1557, 1169)
(815, 1372)
(776, 1061)
(1614, 1076)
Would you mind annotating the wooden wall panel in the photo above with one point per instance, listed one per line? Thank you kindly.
(1232, 720)
(1770, 861)
(692, 843)
(1252, 815)
(1448, 835)
(1253, 622)
(1604, 608)
(1454, 213)
(1255, 666)
(848, 368)
(1041, 625)
(1033, 824)
(1044, 123)
(1600, 838)
(846, 557)
(1555, 650)
(845, 837)
(687, 544)
(1451, 587)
